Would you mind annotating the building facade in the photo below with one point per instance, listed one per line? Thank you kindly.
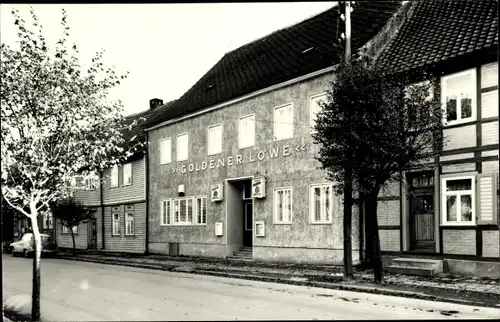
(118, 201)
(449, 210)
(231, 163)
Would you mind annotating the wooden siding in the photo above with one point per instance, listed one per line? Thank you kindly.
(89, 197)
(460, 137)
(122, 194)
(388, 213)
(389, 240)
(456, 157)
(490, 167)
(65, 240)
(122, 243)
(489, 133)
(489, 75)
(489, 104)
(462, 167)
(491, 243)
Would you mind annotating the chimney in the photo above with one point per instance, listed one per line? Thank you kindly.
(154, 103)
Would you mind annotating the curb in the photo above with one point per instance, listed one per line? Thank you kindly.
(292, 280)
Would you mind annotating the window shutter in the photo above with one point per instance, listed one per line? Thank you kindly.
(487, 199)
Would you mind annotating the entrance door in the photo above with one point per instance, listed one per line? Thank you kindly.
(92, 233)
(422, 222)
(248, 223)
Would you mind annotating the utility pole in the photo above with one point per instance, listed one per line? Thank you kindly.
(347, 222)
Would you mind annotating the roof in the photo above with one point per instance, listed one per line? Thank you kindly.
(440, 30)
(303, 48)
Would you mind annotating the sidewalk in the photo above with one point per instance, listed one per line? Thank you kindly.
(446, 288)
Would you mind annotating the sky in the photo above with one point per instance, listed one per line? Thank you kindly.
(166, 48)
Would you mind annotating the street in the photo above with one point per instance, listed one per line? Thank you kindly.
(96, 292)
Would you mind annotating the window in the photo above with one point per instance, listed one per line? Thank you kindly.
(65, 229)
(166, 151)
(201, 210)
(47, 220)
(459, 96)
(129, 224)
(214, 139)
(415, 112)
(458, 204)
(75, 230)
(127, 174)
(92, 181)
(182, 147)
(246, 131)
(314, 108)
(78, 182)
(166, 212)
(116, 224)
(184, 211)
(321, 203)
(114, 177)
(283, 205)
(283, 122)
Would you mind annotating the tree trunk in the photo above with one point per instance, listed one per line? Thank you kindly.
(73, 238)
(348, 275)
(373, 240)
(35, 295)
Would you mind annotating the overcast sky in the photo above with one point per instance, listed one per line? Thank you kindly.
(165, 47)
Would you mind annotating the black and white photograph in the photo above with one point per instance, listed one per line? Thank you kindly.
(226, 161)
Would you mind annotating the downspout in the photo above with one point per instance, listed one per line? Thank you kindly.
(102, 211)
(146, 160)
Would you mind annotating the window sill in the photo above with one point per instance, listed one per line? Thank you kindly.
(321, 223)
(212, 154)
(126, 185)
(283, 139)
(451, 225)
(183, 225)
(468, 121)
(166, 163)
(114, 236)
(282, 223)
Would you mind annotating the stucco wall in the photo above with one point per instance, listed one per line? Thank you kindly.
(283, 163)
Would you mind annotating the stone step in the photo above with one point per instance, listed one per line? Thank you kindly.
(238, 254)
(408, 270)
(245, 251)
(241, 259)
(435, 264)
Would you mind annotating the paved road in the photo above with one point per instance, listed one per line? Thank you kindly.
(95, 292)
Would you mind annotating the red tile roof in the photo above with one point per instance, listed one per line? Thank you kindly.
(306, 47)
(439, 30)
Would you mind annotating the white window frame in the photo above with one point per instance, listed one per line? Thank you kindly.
(127, 223)
(204, 203)
(114, 182)
(65, 229)
(166, 150)
(275, 122)
(312, 215)
(75, 230)
(164, 205)
(275, 206)
(458, 194)
(92, 181)
(171, 203)
(47, 220)
(214, 148)
(115, 223)
(242, 135)
(445, 91)
(178, 147)
(314, 101)
(127, 169)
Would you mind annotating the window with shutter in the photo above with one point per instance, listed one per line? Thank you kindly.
(487, 199)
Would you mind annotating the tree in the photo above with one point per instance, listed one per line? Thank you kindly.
(71, 213)
(379, 126)
(56, 122)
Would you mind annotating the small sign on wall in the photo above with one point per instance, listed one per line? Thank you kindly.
(218, 229)
(260, 229)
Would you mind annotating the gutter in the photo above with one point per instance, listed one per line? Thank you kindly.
(245, 97)
(102, 212)
(146, 165)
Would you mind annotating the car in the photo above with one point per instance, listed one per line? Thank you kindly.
(25, 245)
